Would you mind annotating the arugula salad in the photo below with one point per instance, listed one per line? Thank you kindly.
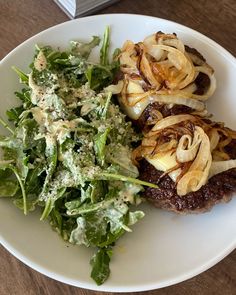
(69, 152)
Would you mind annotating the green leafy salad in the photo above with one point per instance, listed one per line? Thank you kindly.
(69, 152)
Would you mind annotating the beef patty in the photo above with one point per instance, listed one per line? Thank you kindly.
(218, 189)
(164, 109)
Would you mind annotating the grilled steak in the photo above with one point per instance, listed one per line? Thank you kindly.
(218, 189)
(164, 109)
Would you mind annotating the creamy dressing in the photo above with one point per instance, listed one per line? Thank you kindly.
(41, 95)
(40, 62)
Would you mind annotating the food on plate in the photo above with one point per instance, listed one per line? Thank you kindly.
(162, 86)
(76, 155)
(70, 151)
(164, 71)
(191, 159)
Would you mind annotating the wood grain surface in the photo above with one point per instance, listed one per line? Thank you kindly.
(20, 20)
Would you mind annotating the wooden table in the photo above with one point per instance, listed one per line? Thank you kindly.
(20, 20)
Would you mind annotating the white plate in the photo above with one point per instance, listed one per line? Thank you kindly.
(163, 248)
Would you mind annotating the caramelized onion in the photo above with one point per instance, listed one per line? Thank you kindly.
(210, 73)
(115, 89)
(197, 175)
(221, 166)
(188, 147)
(171, 120)
(166, 71)
(214, 138)
(193, 142)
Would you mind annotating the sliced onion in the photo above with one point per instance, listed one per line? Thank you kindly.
(174, 42)
(150, 40)
(220, 155)
(166, 72)
(149, 142)
(221, 166)
(115, 89)
(166, 147)
(198, 172)
(166, 98)
(171, 99)
(214, 138)
(154, 52)
(182, 63)
(133, 98)
(135, 111)
(192, 181)
(171, 120)
(210, 73)
(134, 87)
(146, 70)
(188, 147)
(125, 57)
(155, 116)
(191, 88)
(126, 60)
(204, 152)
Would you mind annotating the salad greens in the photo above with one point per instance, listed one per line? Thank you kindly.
(70, 150)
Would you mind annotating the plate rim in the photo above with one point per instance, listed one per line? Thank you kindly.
(132, 288)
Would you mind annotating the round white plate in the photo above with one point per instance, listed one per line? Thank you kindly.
(163, 248)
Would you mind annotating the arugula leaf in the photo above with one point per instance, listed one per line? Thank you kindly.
(109, 214)
(33, 183)
(99, 145)
(100, 265)
(14, 153)
(32, 200)
(24, 197)
(50, 198)
(14, 114)
(84, 49)
(78, 235)
(134, 217)
(5, 125)
(70, 151)
(24, 96)
(74, 204)
(116, 54)
(23, 77)
(51, 153)
(105, 175)
(98, 190)
(8, 187)
(56, 220)
(26, 133)
(121, 155)
(8, 165)
(104, 58)
(6, 173)
(105, 109)
(111, 238)
(44, 78)
(98, 76)
(88, 208)
(75, 162)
